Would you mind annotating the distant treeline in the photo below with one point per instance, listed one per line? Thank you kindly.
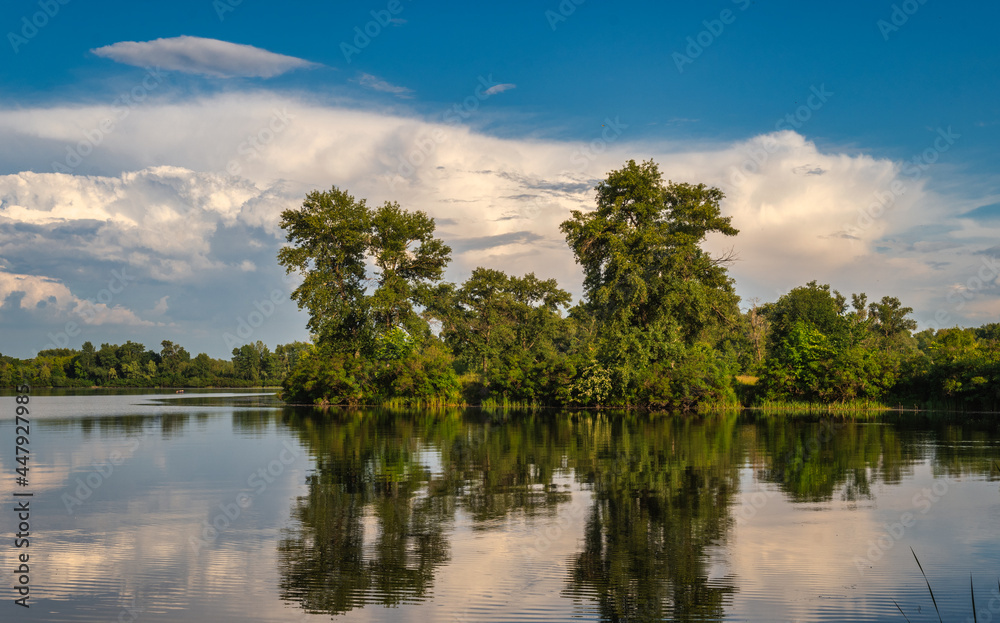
(133, 365)
(660, 325)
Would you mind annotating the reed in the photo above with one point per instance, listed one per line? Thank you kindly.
(931, 591)
(851, 406)
(972, 594)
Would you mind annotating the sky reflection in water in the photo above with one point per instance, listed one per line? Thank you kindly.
(222, 510)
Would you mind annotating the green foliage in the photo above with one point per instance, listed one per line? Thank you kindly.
(651, 288)
(408, 258)
(423, 377)
(173, 358)
(510, 331)
(393, 345)
(325, 376)
(329, 239)
(132, 365)
(954, 368)
(694, 377)
(818, 350)
(332, 237)
(659, 327)
(592, 387)
(256, 363)
(890, 318)
(811, 305)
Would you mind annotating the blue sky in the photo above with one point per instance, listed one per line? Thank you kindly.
(856, 143)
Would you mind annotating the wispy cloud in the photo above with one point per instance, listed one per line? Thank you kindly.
(500, 88)
(207, 57)
(377, 84)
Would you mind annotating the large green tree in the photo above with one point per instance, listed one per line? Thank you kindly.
(332, 239)
(329, 238)
(654, 291)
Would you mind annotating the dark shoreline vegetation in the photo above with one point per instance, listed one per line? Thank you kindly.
(659, 328)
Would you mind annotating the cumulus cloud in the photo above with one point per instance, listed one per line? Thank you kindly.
(90, 249)
(51, 299)
(207, 57)
(166, 203)
(161, 219)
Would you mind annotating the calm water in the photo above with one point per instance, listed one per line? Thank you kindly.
(228, 507)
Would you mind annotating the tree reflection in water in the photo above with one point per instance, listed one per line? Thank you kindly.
(387, 487)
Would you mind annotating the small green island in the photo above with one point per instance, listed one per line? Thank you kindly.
(660, 326)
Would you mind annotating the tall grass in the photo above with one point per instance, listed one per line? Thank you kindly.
(492, 403)
(421, 403)
(851, 406)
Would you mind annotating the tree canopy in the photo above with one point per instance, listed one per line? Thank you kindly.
(332, 238)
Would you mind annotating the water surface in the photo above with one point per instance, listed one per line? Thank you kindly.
(229, 507)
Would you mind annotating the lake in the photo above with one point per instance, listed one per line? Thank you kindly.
(228, 506)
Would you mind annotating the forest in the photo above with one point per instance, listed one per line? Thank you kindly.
(133, 365)
(659, 325)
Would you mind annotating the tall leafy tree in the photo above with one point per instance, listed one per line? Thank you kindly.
(814, 306)
(172, 357)
(255, 362)
(507, 330)
(332, 239)
(891, 318)
(651, 287)
(329, 238)
(407, 257)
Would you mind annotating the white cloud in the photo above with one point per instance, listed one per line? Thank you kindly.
(377, 84)
(498, 202)
(162, 218)
(499, 88)
(208, 57)
(52, 300)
